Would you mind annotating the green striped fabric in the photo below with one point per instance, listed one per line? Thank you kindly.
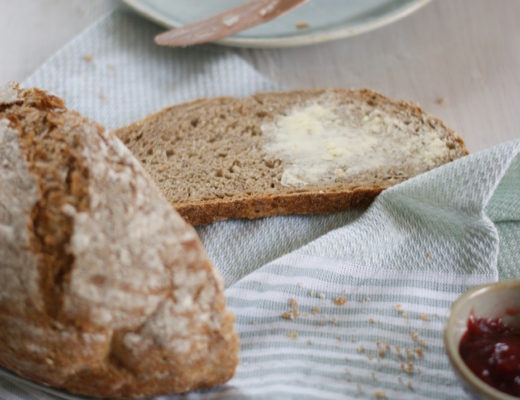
(350, 305)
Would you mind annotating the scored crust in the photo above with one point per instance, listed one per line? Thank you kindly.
(179, 147)
(106, 291)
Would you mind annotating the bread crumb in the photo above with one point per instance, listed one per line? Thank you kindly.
(102, 96)
(398, 349)
(398, 307)
(371, 320)
(381, 352)
(315, 310)
(360, 349)
(425, 317)
(308, 341)
(49, 361)
(294, 307)
(441, 101)
(417, 339)
(302, 24)
(292, 335)
(408, 367)
(287, 315)
(419, 352)
(293, 314)
(321, 295)
(379, 394)
(88, 57)
(340, 300)
(333, 321)
(429, 255)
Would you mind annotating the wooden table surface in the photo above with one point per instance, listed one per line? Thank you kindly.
(459, 59)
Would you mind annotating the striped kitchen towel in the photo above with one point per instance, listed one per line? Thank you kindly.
(359, 311)
(350, 305)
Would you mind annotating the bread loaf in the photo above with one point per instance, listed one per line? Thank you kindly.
(301, 152)
(106, 291)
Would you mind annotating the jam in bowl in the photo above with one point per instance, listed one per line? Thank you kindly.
(491, 350)
(482, 339)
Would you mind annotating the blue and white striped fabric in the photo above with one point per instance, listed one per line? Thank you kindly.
(350, 305)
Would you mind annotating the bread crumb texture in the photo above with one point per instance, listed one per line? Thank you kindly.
(106, 291)
(340, 300)
(405, 358)
(298, 152)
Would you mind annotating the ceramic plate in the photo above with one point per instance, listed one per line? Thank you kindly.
(325, 19)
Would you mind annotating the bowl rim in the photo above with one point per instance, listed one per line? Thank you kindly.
(452, 346)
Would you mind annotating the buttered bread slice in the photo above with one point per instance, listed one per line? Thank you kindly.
(301, 152)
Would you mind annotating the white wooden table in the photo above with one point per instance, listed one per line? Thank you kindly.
(459, 59)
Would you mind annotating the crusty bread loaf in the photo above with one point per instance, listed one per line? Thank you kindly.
(106, 291)
(300, 152)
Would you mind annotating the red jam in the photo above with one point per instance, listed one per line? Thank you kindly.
(492, 351)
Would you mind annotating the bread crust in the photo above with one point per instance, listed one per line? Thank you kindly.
(302, 203)
(139, 310)
(312, 200)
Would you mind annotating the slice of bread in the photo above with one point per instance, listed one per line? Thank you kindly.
(301, 152)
